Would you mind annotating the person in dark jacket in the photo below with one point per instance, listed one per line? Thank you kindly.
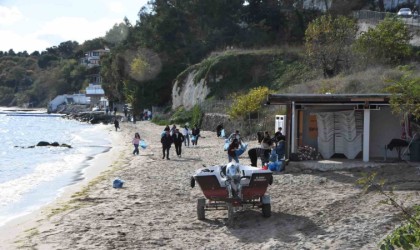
(195, 132)
(219, 130)
(116, 124)
(233, 147)
(166, 141)
(178, 138)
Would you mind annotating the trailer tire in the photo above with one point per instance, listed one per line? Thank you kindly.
(266, 210)
(201, 212)
(192, 182)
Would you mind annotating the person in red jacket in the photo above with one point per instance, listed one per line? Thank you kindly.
(234, 145)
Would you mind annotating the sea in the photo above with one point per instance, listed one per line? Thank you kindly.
(31, 177)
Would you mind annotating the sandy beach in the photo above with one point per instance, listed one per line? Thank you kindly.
(156, 208)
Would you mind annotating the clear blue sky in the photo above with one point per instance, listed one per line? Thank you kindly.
(38, 24)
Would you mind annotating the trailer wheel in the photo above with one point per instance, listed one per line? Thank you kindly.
(266, 210)
(192, 182)
(201, 213)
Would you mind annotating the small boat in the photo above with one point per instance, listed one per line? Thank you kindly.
(233, 186)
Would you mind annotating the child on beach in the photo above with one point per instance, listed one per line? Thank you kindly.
(116, 124)
(136, 142)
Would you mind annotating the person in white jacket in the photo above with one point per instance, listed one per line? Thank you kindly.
(186, 132)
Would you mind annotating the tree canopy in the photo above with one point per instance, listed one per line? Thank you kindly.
(328, 43)
(388, 42)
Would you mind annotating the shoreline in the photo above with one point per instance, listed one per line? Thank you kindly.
(10, 231)
(157, 208)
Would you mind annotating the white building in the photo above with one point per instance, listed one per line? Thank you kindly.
(92, 58)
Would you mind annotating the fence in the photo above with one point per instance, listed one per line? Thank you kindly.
(217, 110)
(376, 16)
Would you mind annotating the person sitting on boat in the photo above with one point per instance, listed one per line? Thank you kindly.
(233, 174)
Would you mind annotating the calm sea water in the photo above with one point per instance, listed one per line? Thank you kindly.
(32, 177)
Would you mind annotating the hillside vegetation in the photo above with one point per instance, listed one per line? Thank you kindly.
(278, 44)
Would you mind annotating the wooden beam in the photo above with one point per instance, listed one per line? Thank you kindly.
(378, 99)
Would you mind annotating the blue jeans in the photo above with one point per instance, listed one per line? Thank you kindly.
(234, 158)
(187, 139)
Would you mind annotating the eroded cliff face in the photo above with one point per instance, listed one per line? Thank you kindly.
(188, 93)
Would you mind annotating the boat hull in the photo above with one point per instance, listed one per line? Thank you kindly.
(254, 183)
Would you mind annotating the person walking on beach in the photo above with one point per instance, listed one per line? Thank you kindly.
(116, 124)
(186, 132)
(173, 129)
(178, 138)
(115, 110)
(166, 141)
(136, 142)
(167, 128)
(195, 132)
(233, 147)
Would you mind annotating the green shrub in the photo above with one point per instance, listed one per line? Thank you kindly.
(197, 116)
(160, 121)
(181, 116)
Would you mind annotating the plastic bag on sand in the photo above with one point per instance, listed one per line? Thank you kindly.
(276, 166)
(242, 149)
(143, 144)
(226, 146)
(117, 183)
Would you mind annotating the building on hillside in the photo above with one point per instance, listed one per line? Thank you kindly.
(92, 58)
(97, 96)
(95, 91)
(352, 126)
(68, 99)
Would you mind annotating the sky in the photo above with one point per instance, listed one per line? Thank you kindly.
(39, 24)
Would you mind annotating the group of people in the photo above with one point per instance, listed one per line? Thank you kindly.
(268, 146)
(174, 136)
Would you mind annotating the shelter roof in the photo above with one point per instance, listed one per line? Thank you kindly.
(283, 99)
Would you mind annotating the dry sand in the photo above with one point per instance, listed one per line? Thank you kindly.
(156, 208)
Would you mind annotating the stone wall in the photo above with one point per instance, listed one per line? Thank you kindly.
(211, 120)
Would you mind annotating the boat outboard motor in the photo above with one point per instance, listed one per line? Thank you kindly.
(233, 182)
